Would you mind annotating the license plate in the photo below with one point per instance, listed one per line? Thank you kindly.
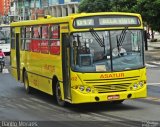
(113, 97)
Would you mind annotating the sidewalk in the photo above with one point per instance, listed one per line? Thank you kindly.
(153, 52)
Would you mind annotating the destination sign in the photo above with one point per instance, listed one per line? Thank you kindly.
(101, 21)
(85, 22)
(119, 21)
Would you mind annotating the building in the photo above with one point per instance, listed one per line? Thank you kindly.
(7, 7)
(59, 8)
(1, 7)
(4, 7)
(31, 9)
(4, 11)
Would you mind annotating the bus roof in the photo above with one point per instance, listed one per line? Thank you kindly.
(50, 20)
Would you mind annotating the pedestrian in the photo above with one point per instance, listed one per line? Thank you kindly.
(2, 55)
(148, 35)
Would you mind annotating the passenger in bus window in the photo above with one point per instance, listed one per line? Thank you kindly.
(36, 33)
(44, 32)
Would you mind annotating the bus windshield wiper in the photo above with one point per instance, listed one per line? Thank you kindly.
(97, 38)
(121, 38)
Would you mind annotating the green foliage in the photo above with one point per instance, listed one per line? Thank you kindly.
(94, 6)
(123, 5)
(149, 9)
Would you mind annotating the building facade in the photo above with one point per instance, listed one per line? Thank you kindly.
(4, 7)
(1, 7)
(31, 9)
(4, 11)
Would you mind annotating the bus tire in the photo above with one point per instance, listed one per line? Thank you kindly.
(26, 83)
(58, 95)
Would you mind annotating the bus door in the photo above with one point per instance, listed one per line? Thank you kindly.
(66, 66)
(18, 55)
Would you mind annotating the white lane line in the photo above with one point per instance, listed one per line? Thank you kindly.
(153, 99)
(153, 84)
(150, 65)
(156, 62)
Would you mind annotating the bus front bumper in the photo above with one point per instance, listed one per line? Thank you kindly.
(78, 97)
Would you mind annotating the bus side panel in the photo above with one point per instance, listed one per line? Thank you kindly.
(33, 68)
(51, 66)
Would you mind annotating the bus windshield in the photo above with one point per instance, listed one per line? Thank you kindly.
(107, 51)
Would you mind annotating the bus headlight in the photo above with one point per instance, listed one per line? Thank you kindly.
(84, 89)
(141, 84)
(135, 86)
(138, 85)
(88, 89)
(81, 88)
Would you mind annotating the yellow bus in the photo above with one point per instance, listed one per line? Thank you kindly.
(81, 58)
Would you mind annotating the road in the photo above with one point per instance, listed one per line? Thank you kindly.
(42, 110)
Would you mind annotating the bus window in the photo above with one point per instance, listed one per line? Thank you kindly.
(55, 32)
(28, 38)
(36, 32)
(45, 41)
(44, 32)
(55, 40)
(13, 38)
(23, 36)
(35, 43)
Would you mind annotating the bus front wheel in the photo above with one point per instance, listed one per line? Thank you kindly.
(26, 83)
(59, 95)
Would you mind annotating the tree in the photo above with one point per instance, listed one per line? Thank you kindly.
(149, 9)
(107, 5)
(94, 6)
(123, 5)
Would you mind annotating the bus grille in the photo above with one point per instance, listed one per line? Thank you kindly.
(112, 85)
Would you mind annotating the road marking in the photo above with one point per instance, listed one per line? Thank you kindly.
(21, 106)
(153, 99)
(150, 65)
(5, 71)
(156, 62)
(153, 84)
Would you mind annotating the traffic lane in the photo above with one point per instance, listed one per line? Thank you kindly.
(153, 82)
(9, 87)
(17, 105)
(154, 90)
(153, 75)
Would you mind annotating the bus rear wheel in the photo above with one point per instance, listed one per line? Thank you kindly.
(58, 94)
(26, 83)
